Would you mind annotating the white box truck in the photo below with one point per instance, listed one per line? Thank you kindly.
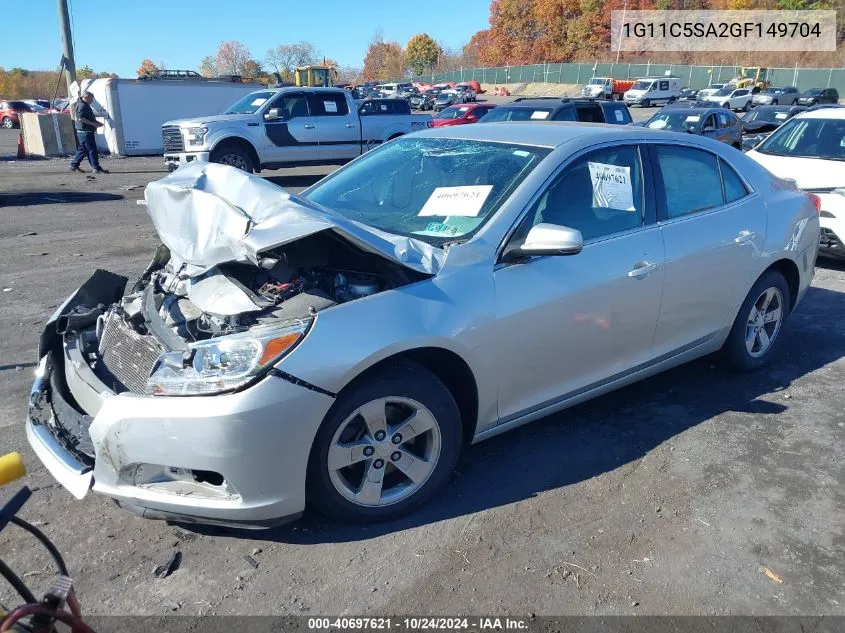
(132, 110)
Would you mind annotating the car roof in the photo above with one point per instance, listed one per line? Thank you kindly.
(694, 109)
(785, 106)
(822, 113)
(551, 102)
(545, 134)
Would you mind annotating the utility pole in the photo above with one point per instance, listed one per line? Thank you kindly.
(67, 43)
(621, 30)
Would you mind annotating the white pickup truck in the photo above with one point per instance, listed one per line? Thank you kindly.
(284, 127)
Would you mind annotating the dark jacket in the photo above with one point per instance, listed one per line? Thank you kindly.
(82, 110)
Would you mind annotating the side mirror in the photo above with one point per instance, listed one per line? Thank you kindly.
(274, 114)
(548, 239)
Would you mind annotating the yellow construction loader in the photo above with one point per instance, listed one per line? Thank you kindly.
(316, 76)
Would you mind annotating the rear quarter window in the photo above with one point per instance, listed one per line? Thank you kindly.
(617, 113)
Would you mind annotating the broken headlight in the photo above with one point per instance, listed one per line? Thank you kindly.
(224, 363)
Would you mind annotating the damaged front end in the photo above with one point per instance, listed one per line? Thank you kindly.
(211, 315)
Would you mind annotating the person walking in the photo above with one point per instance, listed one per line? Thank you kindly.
(86, 125)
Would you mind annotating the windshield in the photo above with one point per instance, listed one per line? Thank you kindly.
(434, 189)
(724, 92)
(443, 97)
(812, 93)
(767, 116)
(452, 113)
(641, 85)
(673, 121)
(773, 91)
(504, 113)
(596, 82)
(250, 103)
(808, 138)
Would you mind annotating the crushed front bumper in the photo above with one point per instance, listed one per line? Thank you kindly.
(174, 161)
(231, 459)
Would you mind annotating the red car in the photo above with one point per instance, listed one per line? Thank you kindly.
(10, 113)
(461, 114)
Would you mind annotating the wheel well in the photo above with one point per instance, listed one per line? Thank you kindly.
(452, 371)
(789, 270)
(242, 144)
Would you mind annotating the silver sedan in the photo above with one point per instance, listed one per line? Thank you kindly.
(341, 347)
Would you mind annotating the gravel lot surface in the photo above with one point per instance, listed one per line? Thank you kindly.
(671, 496)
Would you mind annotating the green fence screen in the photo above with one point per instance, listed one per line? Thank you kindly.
(692, 76)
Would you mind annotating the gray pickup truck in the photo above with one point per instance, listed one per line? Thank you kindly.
(284, 127)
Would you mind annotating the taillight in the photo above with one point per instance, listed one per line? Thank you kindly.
(817, 202)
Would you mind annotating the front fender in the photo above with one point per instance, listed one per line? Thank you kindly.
(217, 136)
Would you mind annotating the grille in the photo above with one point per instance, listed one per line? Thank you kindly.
(127, 355)
(172, 137)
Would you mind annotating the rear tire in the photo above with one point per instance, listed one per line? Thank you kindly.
(234, 156)
(338, 475)
(8, 123)
(726, 105)
(646, 103)
(756, 333)
(747, 106)
(774, 101)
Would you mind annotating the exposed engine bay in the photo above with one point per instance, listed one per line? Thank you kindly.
(293, 282)
(167, 310)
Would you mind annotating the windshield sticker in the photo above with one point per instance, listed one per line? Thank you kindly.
(618, 114)
(611, 186)
(780, 115)
(659, 124)
(439, 228)
(259, 102)
(329, 106)
(463, 201)
(539, 114)
(383, 108)
(521, 153)
(693, 118)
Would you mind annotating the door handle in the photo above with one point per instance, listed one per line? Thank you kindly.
(350, 125)
(744, 237)
(642, 269)
(308, 126)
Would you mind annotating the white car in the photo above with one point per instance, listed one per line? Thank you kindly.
(467, 93)
(709, 90)
(810, 149)
(734, 99)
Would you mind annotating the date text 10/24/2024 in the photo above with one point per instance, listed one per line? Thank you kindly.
(419, 624)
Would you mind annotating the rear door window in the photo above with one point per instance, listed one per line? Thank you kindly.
(566, 113)
(617, 113)
(725, 120)
(589, 113)
(329, 104)
(690, 180)
(734, 187)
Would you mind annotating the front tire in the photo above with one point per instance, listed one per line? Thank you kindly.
(726, 105)
(8, 123)
(755, 335)
(646, 103)
(234, 156)
(747, 106)
(387, 445)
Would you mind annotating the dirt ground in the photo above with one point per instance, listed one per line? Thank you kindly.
(696, 492)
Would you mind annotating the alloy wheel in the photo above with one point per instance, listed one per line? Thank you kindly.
(384, 451)
(8, 123)
(764, 322)
(234, 160)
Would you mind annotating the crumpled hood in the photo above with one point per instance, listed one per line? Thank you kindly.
(208, 214)
(212, 118)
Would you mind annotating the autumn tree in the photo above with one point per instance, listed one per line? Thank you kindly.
(85, 72)
(422, 53)
(250, 68)
(208, 66)
(147, 68)
(284, 58)
(231, 58)
(384, 60)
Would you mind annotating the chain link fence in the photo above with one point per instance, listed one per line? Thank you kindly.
(692, 76)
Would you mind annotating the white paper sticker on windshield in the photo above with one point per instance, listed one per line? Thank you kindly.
(383, 108)
(521, 153)
(260, 101)
(780, 115)
(659, 124)
(618, 114)
(693, 118)
(611, 186)
(448, 201)
(330, 106)
(539, 114)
